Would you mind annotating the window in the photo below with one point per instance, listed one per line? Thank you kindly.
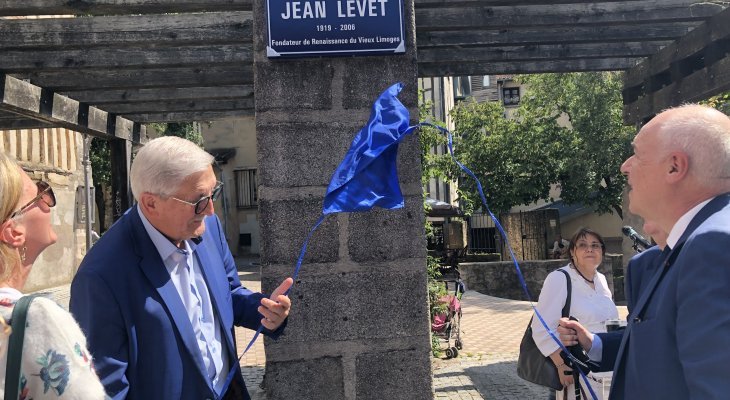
(246, 194)
(462, 87)
(511, 96)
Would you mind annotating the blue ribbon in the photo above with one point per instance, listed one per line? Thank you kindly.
(302, 252)
(367, 177)
(511, 253)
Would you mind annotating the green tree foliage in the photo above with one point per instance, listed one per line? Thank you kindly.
(101, 175)
(99, 156)
(567, 130)
(186, 130)
(589, 170)
(516, 160)
(720, 102)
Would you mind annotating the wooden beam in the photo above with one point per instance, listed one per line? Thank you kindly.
(102, 79)
(34, 102)
(25, 123)
(524, 67)
(451, 3)
(117, 7)
(685, 67)
(554, 35)
(458, 54)
(716, 29)
(156, 107)
(700, 85)
(100, 97)
(587, 13)
(126, 30)
(189, 116)
(10, 121)
(19, 61)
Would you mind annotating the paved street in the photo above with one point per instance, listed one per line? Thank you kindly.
(485, 369)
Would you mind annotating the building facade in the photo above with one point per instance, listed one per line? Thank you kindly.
(233, 142)
(54, 155)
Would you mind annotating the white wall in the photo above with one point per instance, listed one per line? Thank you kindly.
(240, 134)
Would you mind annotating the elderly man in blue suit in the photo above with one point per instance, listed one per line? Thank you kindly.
(158, 295)
(677, 342)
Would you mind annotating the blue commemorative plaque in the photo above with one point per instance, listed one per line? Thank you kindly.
(334, 27)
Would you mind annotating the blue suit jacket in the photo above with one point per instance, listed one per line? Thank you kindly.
(679, 348)
(137, 328)
(639, 272)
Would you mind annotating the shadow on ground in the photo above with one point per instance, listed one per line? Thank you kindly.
(499, 380)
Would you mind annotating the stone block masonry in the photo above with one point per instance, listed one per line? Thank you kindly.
(359, 324)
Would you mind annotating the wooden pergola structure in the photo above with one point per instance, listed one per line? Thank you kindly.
(107, 67)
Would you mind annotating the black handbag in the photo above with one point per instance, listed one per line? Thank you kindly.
(534, 367)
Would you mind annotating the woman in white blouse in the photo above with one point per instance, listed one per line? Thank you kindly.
(55, 362)
(591, 302)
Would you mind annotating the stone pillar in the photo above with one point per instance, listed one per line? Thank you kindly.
(359, 325)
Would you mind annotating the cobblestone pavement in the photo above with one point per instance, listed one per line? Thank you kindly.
(491, 330)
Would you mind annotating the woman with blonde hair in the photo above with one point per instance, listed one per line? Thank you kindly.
(55, 363)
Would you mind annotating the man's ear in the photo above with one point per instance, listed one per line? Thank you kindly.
(150, 204)
(677, 166)
(12, 233)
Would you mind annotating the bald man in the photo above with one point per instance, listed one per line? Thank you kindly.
(677, 342)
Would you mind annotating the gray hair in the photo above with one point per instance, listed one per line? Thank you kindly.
(163, 163)
(704, 134)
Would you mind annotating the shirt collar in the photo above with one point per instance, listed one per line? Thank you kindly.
(163, 245)
(682, 223)
(10, 293)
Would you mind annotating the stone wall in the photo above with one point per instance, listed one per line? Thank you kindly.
(499, 279)
(359, 325)
(53, 155)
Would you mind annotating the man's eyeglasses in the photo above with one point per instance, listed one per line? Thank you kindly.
(45, 193)
(585, 246)
(202, 204)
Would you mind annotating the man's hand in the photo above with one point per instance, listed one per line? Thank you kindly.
(276, 309)
(572, 333)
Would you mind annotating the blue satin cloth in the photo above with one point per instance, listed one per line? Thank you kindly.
(367, 176)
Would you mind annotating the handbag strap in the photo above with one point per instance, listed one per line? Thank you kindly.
(579, 391)
(15, 346)
(566, 307)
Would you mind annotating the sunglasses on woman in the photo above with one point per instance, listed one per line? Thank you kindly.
(45, 193)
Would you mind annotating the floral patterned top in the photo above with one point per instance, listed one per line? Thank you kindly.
(56, 363)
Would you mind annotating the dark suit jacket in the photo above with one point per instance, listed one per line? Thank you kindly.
(679, 348)
(137, 328)
(639, 272)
